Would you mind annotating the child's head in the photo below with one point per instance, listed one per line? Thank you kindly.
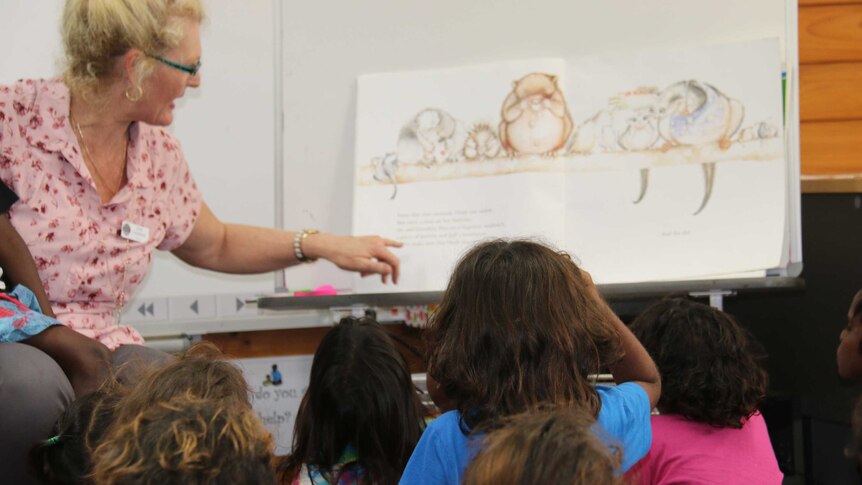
(360, 393)
(519, 325)
(555, 446)
(201, 372)
(710, 372)
(187, 440)
(849, 354)
(65, 457)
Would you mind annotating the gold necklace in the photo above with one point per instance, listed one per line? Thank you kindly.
(102, 179)
(119, 298)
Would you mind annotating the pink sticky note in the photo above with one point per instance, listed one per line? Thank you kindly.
(324, 290)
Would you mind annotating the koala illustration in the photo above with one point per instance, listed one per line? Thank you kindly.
(641, 131)
(535, 118)
(433, 136)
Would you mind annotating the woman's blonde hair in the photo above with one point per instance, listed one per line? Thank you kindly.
(95, 32)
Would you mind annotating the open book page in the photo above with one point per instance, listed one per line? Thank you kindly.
(433, 172)
(645, 166)
(677, 167)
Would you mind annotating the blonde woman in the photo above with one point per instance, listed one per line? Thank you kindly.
(102, 183)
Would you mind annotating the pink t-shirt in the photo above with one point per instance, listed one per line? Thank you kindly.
(688, 452)
(74, 238)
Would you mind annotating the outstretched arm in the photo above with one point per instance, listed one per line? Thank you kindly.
(236, 248)
(636, 365)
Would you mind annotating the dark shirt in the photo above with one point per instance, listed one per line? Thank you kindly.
(7, 198)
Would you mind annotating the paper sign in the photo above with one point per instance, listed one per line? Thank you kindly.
(277, 384)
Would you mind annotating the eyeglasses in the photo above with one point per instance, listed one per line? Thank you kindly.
(192, 70)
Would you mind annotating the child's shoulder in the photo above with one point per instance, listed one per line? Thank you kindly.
(445, 424)
(630, 393)
(447, 432)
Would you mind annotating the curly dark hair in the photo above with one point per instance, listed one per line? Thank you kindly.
(518, 327)
(360, 393)
(66, 458)
(710, 365)
(202, 371)
(187, 440)
(555, 445)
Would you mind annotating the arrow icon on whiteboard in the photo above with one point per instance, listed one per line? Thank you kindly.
(194, 307)
(239, 304)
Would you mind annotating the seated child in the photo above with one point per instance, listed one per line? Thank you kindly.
(361, 416)
(26, 317)
(65, 457)
(52, 363)
(550, 446)
(521, 326)
(710, 429)
(201, 372)
(187, 441)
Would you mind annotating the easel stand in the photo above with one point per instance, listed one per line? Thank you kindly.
(716, 297)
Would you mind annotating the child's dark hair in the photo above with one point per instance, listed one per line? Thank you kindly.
(518, 326)
(546, 446)
(360, 393)
(201, 372)
(709, 364)
(66, 457)
(187, 441)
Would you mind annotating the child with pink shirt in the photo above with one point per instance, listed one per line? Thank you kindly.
(710, 430)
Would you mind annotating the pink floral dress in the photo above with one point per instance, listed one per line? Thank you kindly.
(82, 260)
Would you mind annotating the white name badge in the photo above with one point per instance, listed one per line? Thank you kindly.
(134, 232)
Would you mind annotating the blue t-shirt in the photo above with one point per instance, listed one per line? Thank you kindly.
(443, 452)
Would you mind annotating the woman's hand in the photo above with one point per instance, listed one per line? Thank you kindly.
(364, 254)
(86, 362)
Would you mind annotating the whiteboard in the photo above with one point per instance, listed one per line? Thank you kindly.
(226, 126)
(324, 53)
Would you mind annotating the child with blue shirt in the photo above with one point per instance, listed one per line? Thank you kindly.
(520, 327)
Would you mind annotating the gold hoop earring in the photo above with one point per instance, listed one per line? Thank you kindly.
(136, 93)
